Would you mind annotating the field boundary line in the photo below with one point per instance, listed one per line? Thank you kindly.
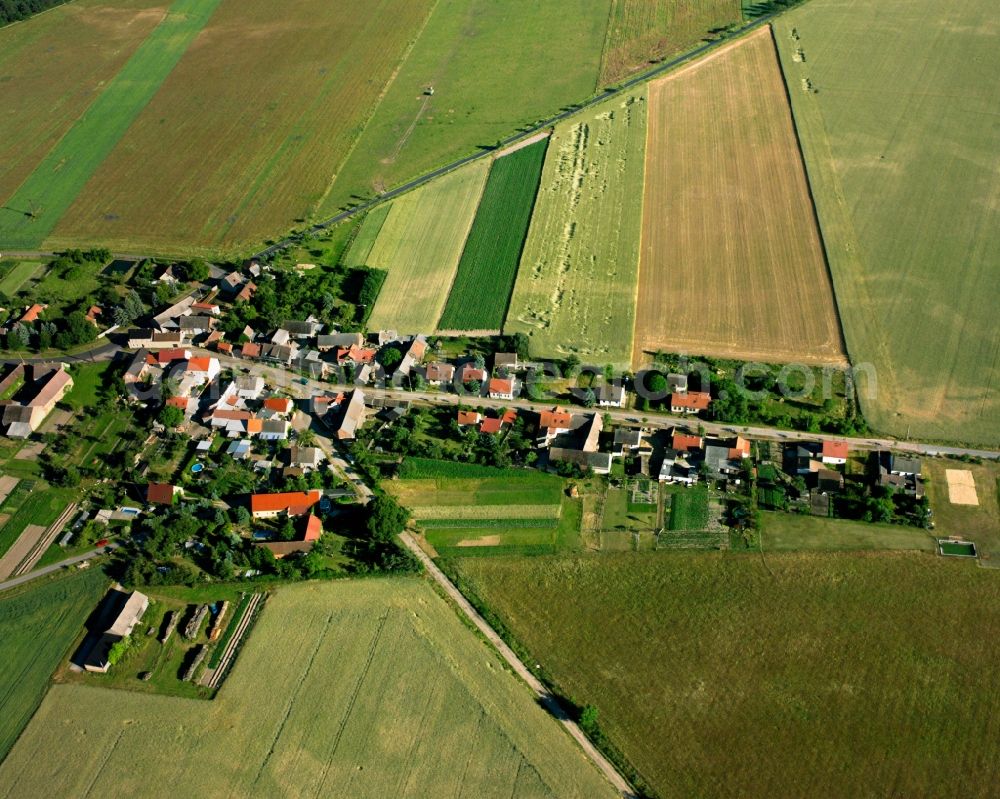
(546, 698)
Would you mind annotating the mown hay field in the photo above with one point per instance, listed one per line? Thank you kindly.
(247, 131)
(38, 625)
(491, 67)
(361, 689)
(54, 66)
(576, 286)
(488, 496)
(732, 263)
(901, 145)
(799, 531)
(419, 245)
(59, 177)
(725, 675)
(640, 31)
(481, 292)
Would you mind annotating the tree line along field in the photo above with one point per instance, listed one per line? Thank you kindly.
(481, 292)
(643, 30)
(45, 195)
(247, 131)
(362, 689)
(419, 245)
(732, 263)
(53, 67)
(867, 674)
(901, 144)
(575, 288)
(38, 624)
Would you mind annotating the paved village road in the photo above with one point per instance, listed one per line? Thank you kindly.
(54, 567)
(548, 701)
(305, 387)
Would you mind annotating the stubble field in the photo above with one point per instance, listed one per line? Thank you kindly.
(248, 129)
(367, 689)
(866, 674)
(419, 245)
(53, 67)
(901, 145)
(642, 30)
(732, 264)
(575, 288)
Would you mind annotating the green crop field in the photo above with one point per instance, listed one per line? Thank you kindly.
(361, 689)
(640, 31)
(53, 185)
(419, 246)
(576, 286)
(900, 144)
(16, 274)
(490, 65)
(37, 627)
(728, 675)
(51, 69)
(791, 531)
(689, 508)
(486, 273)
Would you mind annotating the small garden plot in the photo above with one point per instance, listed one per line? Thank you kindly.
(689, 508)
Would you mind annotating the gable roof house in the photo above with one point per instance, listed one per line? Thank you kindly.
(339, 340)
(138, 370)
(678, 467)
(503, 388)
(195, 325)
(231, 283)
(437, 372)
(413, 355)
(169, 318)
(295, 503)
(245, 294)
(162, 493)
(466, 418)
(506, 360)
(685, 442)
(678, 383)
(692, 402)
(834, 452)
(249, 386)
(275, 353)
(352, 416)
(273, 430)
(206, 308)
(305, 328)
(470, 372)
(32, 313)
(610, 396)
(305, 458)
(128, 611)
(592, 433)
(551, 424)
(48, 385)
(600, 462)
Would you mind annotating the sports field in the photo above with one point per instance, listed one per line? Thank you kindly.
(54, 183)
(640, 31)
(245, 134)
(901, 145)
(52, 68)
(732, 263)
(575, 289)
(486, 273)
(37, 627)
(728, 675)
(419, 245)
(370, 689)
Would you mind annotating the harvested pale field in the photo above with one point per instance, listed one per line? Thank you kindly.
(575, 289)
(640, 31)
(58, 178)
(961, 487)
(360, 689)
(419, 245)
(19, 550)
(841, 675)
(732, 262)
(53, 67)
(244, 136)
(901, 142)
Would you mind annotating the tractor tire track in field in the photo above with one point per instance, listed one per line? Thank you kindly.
(353, 699)
(291, 700)
(104, 761)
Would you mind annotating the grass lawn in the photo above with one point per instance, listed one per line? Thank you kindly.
(793, 531)
(15, 274)
(38, 624)
(979, 523)
(374, 688)
(870, 674)
(88, 381)
(884, 129)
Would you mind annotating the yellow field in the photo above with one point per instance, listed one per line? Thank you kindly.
(419, 245)
(731, 262)
(52, 68)
(238, 142)
(353, 689)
